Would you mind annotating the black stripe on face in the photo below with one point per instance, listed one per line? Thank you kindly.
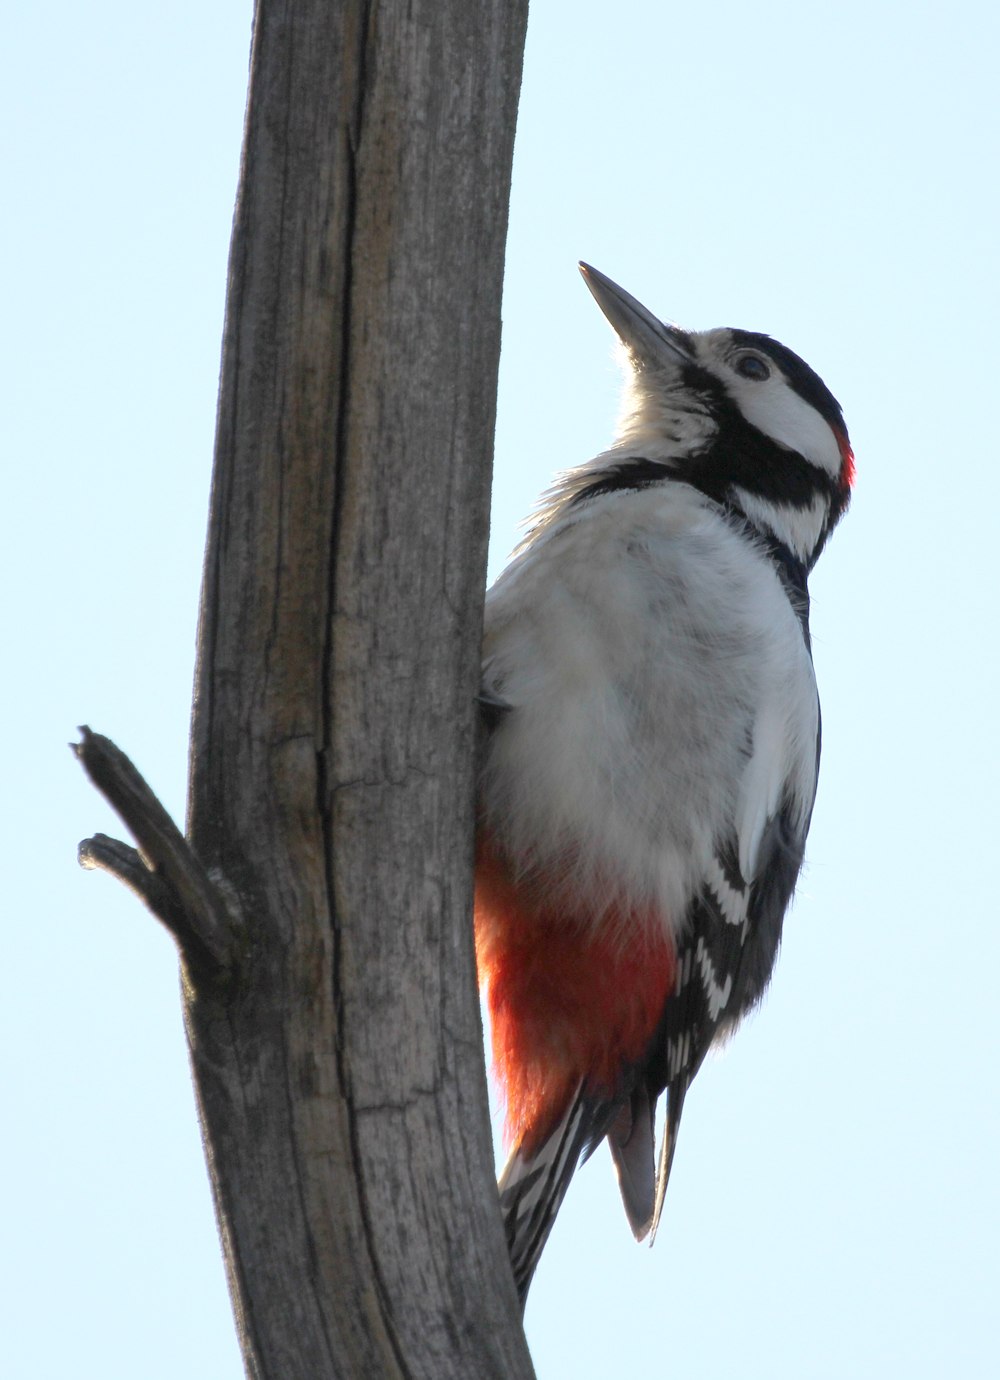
(634, 472)
(740, 456)
(803, 380)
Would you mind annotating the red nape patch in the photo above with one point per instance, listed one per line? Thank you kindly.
(846, 460)
(565, 1006)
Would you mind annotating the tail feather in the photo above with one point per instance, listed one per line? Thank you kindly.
(532, 1189)
(532, 1186)
(674, 1106)
(630, 1140)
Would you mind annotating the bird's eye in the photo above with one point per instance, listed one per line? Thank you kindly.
(752, 367)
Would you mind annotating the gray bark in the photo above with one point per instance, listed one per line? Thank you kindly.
(329, 988)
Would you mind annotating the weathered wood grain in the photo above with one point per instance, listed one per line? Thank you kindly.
(340, 1075)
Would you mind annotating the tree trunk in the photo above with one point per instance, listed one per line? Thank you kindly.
(329, 989)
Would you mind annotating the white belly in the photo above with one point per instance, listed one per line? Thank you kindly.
(664, 703)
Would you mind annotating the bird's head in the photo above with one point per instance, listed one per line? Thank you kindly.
(738, 415)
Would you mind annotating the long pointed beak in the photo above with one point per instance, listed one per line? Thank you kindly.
(648, 340)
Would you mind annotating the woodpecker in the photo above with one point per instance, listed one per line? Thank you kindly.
(650, 756)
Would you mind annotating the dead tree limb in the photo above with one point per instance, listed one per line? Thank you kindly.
(163, 872)
(333, 1025)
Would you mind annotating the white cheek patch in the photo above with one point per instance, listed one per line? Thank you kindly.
(777, 410)
(799, 528)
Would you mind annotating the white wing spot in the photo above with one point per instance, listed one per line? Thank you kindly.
(732, 903)
(678, 1054)
(684, 970)
(716, 995)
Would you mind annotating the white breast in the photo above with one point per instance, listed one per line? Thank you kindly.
(664, 701)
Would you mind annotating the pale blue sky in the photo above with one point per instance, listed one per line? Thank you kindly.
(825, 173)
